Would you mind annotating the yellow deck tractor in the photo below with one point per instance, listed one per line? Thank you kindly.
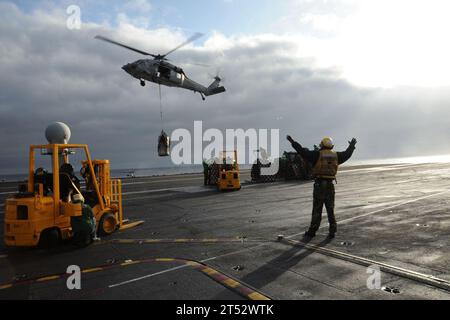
(228, 176)
(41, 211)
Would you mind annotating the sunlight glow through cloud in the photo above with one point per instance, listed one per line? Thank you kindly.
(386, 43)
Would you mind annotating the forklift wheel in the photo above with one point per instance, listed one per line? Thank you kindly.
(49, 239)
(108, 224)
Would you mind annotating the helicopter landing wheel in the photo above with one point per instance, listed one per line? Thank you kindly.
(143, 83)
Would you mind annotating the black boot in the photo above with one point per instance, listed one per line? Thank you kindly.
(332, 231)
(308, 234)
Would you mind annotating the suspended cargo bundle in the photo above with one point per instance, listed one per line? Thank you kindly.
(163, 145)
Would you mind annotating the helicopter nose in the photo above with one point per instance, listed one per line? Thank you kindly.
(128, 67)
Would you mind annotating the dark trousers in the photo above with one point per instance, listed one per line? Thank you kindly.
(323, 194)
(206, 178)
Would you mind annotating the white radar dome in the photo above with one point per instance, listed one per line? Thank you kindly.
(58, 133)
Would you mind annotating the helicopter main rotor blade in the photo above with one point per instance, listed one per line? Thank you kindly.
(124, 46)
(204, 65)
(192, 38)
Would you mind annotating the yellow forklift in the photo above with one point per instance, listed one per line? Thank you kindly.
(228, 175)
(41, 211)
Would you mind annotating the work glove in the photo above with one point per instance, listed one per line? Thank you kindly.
(290, 139)
(352, 143)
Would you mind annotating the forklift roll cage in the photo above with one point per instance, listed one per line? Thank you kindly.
(55, 150)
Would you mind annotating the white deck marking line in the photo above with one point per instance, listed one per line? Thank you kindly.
(179, 267)
(150, 191)
(196, 176)
(147, 276)
(10, 188)
(176, 189)
(157, 190)
(396, 205)
(379, 210)
(165, 180)
(288, 237)
(9, 192)
(381, 167)
(386, 168)
(388, 268)
(375, 169)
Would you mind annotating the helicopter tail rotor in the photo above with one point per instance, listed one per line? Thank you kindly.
(214, 87)
(217, 76)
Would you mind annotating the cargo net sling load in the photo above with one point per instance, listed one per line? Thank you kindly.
(291, 166)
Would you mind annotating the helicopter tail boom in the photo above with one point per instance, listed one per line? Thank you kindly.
(213, 91)
(214, 88)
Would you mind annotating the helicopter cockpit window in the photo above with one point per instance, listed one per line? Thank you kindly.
(165, 72)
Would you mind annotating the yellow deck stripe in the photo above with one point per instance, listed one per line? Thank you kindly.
(131, 225)
(6, 286)
(231, 283)
(47, 278)
(257, 296)
(91, 270)
(165, 259)
(130, 262)
(209, 271)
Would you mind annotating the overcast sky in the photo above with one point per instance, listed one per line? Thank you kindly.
(375, 70)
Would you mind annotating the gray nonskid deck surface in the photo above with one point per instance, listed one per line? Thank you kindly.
(398, 215)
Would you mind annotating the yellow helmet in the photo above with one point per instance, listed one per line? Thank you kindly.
(327, 143)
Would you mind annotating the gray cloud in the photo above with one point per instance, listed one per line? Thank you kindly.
(49, 73)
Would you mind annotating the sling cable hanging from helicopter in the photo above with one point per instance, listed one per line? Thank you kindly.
(160, 107)
(163, 140)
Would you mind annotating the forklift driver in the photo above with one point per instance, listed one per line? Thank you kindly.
(69, 183)
(43, 177)
(86, 174)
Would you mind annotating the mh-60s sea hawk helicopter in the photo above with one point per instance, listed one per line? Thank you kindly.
(159, 71)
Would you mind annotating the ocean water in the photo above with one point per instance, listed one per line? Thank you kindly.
(137, 172)
(123, 173)
(186, 169)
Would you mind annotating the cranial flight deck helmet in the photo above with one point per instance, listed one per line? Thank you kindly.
(327, 143)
